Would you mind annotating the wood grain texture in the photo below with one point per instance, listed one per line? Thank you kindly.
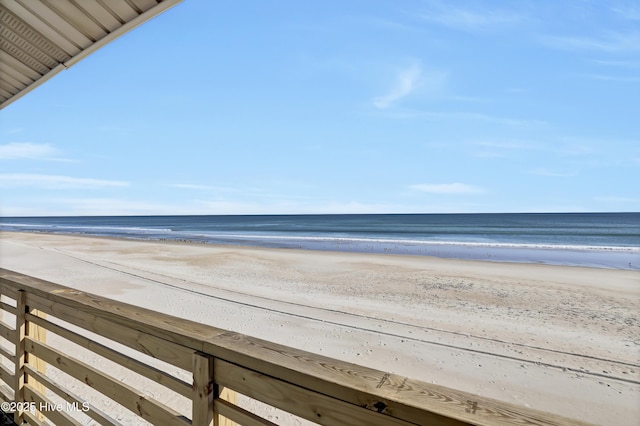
(92, 412)
(202, 412)
(130, 398)
(6, 375)
(238, 414)
(40, 334)
(32, 420)
(229, 396)
(183, 332)
(7, 307)
(8, 355)
(297, 400)
(19, 343)
(7, 332)
(58, 417)
(400, 397)
(6, 393)
(10, 290)
(132, 364)
(161, 349)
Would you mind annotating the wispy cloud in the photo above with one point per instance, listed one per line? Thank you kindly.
(212, 188)
(191, 186)
(462, 116)
(613, 42)
(467, 19)
(551, 173)
(407, 81)
(448, 188)
(506, 148)
(517, 90)
(54, 205)
(26, 150)
(621, 64)
(616, 78)
(628, 12)
(14, 180)
(511, 144)
(119, 206)
(474, 99)
(498, 149)
(385, 23)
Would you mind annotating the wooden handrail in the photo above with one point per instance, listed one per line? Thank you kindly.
(318, 388)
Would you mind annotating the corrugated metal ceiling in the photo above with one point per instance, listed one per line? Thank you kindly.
(39, 38)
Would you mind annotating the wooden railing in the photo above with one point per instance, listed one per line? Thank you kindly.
(196, 362)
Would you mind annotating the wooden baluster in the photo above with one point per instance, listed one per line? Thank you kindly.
(25, 328)
(20, 359)
(40, 334)
(232, 397)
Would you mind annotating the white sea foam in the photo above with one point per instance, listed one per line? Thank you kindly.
(321, 239)
(386, 241)
(85, 228)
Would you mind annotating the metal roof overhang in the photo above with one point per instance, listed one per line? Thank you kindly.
(38, 39)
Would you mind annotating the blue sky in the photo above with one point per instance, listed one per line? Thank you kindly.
(253, 107)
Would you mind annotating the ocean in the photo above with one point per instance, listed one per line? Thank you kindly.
(608, 240)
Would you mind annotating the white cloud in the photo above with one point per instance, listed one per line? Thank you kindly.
(191, 186)
(551, 173)
(499, 149)
(118, 206)
(27, 150)
(509, 144)
(57, 206)
(614, 42)
(621, 64)
(55, 181)
(407, 82)
(627, 12)
(405, 114)
(469, 20)
(616, 78)
(560, 146)
(448, 188)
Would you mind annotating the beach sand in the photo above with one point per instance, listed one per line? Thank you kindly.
(564, 340)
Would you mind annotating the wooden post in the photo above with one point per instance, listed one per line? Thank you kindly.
(19, 373)
(202, 414)
(204, 391)
(40, 334)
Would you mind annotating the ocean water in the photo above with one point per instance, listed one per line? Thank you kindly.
(610, 240)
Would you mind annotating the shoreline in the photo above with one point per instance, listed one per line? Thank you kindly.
(562, 339)
(623, 257)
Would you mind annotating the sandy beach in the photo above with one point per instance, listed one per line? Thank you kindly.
(560, 339)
